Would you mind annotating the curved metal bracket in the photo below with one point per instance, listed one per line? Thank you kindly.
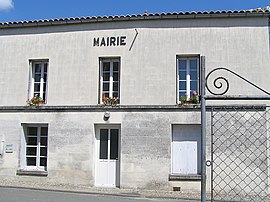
(221, 82)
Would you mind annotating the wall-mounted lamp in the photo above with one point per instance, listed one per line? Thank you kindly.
(106, 116)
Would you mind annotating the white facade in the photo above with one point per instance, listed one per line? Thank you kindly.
(138, 142)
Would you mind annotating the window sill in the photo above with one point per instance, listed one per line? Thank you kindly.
(174, 177)
(32, 173)
(190, 105)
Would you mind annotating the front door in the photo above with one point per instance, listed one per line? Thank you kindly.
(107, 168)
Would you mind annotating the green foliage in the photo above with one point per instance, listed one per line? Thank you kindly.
(110, 101)
(35, 101)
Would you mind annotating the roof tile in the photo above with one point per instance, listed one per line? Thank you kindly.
(145, 16)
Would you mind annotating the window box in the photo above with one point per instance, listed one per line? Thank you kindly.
(35, 101)
(110, 101)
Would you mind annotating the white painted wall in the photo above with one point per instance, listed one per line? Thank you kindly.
(148, 71)
(148, 76)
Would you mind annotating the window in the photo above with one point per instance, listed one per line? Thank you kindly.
(34, 148)
(188, 76)
(110, 79)
(186, 152)
(38, 79)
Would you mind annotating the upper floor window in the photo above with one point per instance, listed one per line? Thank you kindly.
(188, 76)
(110, 80)
(38, 79)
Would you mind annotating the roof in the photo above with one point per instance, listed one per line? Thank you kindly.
(258, 12)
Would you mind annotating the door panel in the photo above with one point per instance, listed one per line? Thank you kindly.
(107, 167)
(114, 144)
(103, 144)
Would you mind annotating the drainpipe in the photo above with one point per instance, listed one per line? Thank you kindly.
(203, 132)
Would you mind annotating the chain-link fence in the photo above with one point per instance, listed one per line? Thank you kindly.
(240, 153)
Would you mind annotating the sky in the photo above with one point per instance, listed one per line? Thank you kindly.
(20, 10)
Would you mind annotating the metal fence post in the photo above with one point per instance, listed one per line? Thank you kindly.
(203, 132)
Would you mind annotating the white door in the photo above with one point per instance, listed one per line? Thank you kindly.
(107, 168)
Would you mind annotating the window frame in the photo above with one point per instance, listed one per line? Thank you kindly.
(31, 91)
(188, 80)
(24, 146)
(111, 60)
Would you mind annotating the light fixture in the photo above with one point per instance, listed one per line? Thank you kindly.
(107, 115)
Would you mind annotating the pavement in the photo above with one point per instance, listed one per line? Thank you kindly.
(71, 188)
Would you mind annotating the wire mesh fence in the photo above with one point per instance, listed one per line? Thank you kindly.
(240, 153)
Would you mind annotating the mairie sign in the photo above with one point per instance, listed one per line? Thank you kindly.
(109, 41)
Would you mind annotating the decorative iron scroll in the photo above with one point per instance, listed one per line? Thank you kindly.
(221, 82)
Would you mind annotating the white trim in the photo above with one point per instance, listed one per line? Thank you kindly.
(188, 79)
(31, 82)
(32, 72)
(23, 155)
(111, 80)
(111, 61)
(97, 149)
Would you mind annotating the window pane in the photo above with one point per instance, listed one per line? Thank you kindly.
(31, 140)
(182, 64)
(45, 67)
(43, 161)
(37, 68)
(106, 66)
(32, 131)
(182, 75)
(32, 151)
(193, 85)
(103, 153)
(37, 77)
(37, 87)
(193, 64)
(106, 86)
(44, 87)
(114, 144)
(37, 93)
(31, 161)
(115, 86)
(43, 141)
(193, 75)
(106, 76)
(115, 76)
(182, 85)
(43, 151)
(44, 131)
(45, 77)
(115, 94)
(115, 66)
(105, 94)
(182, 94)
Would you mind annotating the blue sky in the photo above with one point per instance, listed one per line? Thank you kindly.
(19, 10)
